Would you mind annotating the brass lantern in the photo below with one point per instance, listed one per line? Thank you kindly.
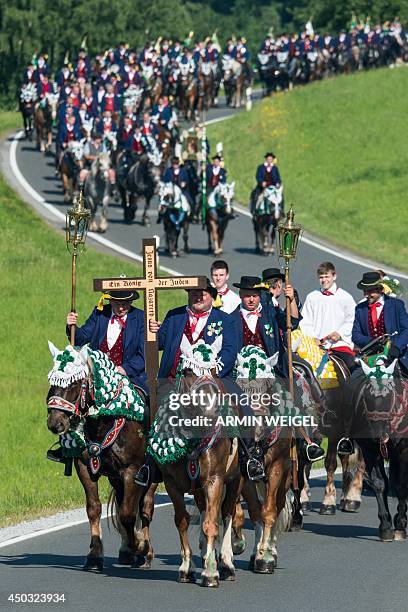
(77, 221)
(289, 234)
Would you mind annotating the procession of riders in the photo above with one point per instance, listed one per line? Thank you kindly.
(118, 121)
(349, 366)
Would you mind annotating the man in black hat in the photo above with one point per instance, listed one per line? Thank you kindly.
(215, 173)
(260, 327)
(274, 279)
(116, 329)
(197, 320)
(376, 315)
(267, 174)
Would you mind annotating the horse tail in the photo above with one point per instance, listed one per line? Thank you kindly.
(111, 510)
(284, 520)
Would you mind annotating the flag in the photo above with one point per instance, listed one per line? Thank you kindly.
(309, 28)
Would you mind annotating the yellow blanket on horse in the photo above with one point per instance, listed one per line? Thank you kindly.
(323, 368)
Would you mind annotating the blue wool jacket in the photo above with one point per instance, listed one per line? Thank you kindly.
(93, 331)
(171, 333)
(395, 320)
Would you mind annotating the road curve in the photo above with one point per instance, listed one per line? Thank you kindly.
(30, 171)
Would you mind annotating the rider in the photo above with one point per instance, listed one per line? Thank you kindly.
(215, 173)
(227, 300)
(376, 315)
(195, 321)
(177, 176)
(267, 174)
(275, 279)
(94, 147)
(116, 329)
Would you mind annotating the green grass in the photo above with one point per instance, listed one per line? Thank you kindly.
(342, 152)
(35, 279)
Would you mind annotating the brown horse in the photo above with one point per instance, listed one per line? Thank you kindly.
(70, 167)
(219, 473)
(44, 115)
(206, 87)
(187, 93)
(119, 461)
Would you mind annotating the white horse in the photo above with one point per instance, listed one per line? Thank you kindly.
(218, 214)
(97, 191)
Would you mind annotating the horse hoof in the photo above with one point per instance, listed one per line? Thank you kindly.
(238, 546)
(187, 249)
(306, 506)
(125, 558)
(386, 535)
(185, 577)
(327, 510)
(227, 573)
(400, 535)
(351, 506)
(210, 581)
(297, 525)
(139, 562)
(93, 563)
(264, 567)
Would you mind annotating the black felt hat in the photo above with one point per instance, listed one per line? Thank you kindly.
(370, 280)
(271, 273)
(250, 282)
(209, 288)
(123, 295)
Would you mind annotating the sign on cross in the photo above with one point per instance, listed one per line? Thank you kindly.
(150, 283)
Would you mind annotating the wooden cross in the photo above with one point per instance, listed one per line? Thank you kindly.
(150, 283)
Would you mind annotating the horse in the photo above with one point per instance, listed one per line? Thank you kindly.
(218, 214)
(142, 180)
(28, 96)
(234, 81)
(266, 212)
(330, 424)
(175, 210)
(214, 459)
(187, 92)
(380, 427)
(256, 378)
(108, 446)
(206, 84)
(45, 115)
(70, 166)
(97, 190)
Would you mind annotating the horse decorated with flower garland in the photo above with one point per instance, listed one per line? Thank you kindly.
(99, 416)
(255, 376)
(202, 461)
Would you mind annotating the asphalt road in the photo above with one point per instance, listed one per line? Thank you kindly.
(38, 170)
(336, 562)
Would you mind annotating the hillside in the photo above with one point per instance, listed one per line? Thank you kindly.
(35, 273)
(342, 152)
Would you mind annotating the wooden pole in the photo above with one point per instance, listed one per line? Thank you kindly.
(73, 294)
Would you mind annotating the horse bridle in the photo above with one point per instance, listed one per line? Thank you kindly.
(77, 409)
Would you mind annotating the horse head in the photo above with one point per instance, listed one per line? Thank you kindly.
(274, 195)
(227, 194)
(255, 375)
(378, 394)
(68, 396)
(52, 101)
(76, 150)
(102, 165)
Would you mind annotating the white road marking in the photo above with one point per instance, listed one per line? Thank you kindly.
(354, 259)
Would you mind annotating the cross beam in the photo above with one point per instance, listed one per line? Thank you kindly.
(150, 283)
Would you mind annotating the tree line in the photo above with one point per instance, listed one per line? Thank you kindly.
(59, 27)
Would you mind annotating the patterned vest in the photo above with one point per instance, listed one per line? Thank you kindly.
(379, 330)
(250, 337)
(189, 335)
(116, 352)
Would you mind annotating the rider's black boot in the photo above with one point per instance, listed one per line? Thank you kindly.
(56, 455)
(148, 473)
(251, 460)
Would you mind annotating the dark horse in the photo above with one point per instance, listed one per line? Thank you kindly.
(266, 209)
(380, 428)
(28, 95)
(137, 180)
(175, 211)
(120, 461)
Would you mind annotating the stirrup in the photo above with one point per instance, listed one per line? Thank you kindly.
(258, 466)
(309, 455)
(350, 442)
(139, 478)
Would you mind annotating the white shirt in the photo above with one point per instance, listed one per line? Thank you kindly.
(324, 314)
(202, 322)
(230, 301)
(251, 319)
(114, 329)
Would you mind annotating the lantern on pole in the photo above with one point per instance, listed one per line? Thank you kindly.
(77, 221)
(289, 233)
